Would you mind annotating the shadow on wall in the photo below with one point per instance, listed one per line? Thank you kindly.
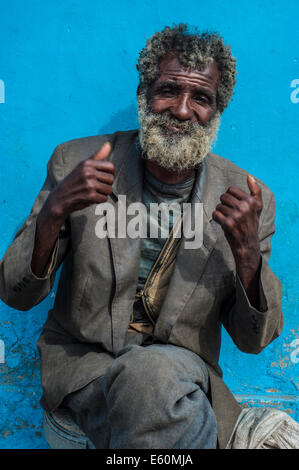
(123, 120)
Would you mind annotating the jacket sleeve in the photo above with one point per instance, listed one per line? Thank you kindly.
(251, 329)
(20, 288)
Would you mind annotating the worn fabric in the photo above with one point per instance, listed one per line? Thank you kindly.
(264, 428)
(157, 254)
(151, 397)
(88, 323)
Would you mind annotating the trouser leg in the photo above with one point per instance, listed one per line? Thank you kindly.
(150, 398)
(89, 410)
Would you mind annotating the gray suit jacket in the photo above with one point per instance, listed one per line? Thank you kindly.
(88, 323)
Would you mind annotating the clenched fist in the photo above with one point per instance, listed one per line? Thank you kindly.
(89, 183)
(238, 214)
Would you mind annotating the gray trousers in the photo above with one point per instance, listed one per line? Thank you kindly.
(151, 397)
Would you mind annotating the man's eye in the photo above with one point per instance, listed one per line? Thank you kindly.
(201, 99)
(167, 92)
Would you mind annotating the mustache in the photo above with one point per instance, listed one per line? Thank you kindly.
(164, 120)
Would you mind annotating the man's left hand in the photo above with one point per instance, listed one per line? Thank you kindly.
(238, 214)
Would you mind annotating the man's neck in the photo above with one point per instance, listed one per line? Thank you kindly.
(166, 176)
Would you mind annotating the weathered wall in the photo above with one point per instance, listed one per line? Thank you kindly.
(67, 69)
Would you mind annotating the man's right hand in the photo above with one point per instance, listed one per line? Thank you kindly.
(90, 182)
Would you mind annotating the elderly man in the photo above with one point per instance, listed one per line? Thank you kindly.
(132, 343)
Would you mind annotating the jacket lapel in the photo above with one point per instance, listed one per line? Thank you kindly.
(191, 263)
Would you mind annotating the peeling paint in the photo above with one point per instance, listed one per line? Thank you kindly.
(282, 363)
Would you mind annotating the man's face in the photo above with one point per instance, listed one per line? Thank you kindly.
(179, 118)
(186, 95)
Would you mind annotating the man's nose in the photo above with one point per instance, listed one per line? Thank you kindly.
(182, 109)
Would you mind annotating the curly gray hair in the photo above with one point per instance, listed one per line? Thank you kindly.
(195, 50)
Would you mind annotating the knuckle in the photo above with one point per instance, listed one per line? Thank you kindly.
(245, 206)
(251, 201)
(85, 164)
(86, 171)
(230, 223)
(88, 176)
(237, 216)
(89, 185)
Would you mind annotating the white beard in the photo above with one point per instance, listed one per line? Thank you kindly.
(175, 151)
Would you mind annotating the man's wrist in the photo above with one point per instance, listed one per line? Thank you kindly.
(53, 211)
(250, 279)
(248, 273)
(247, 262)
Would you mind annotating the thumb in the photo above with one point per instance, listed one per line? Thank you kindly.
(254, 188)
(103, 152)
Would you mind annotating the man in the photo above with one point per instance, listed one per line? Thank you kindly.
(132, 343)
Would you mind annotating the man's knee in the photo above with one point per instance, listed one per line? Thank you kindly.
(140, 369)
(147, 377)
(146, 382)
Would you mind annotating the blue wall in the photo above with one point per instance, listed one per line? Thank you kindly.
(67, 70)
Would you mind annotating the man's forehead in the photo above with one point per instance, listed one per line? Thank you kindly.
(172, 67)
